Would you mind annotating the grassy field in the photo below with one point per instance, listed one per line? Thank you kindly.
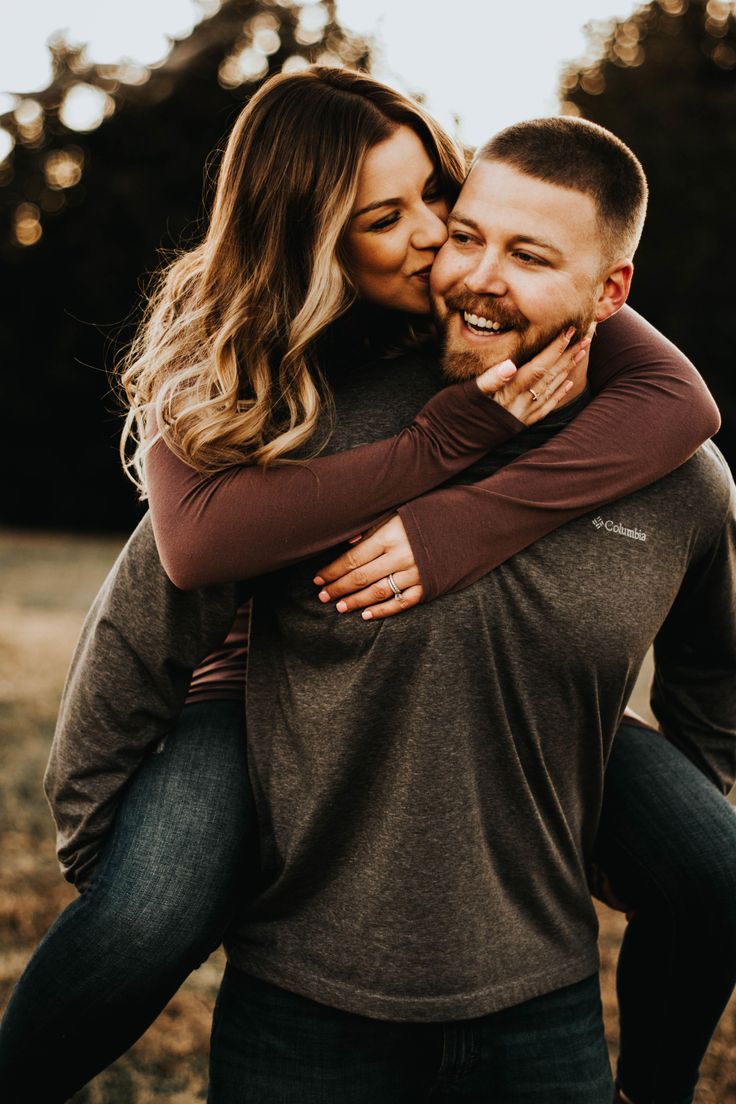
(46, 584)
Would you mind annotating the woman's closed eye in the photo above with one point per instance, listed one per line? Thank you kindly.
(384, 223)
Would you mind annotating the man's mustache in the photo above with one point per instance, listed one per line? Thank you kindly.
(488, 307)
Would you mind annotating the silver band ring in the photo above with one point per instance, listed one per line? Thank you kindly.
(534, 395)
(392, 583)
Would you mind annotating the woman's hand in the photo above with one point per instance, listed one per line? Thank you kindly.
(538, 386)
(359, 578)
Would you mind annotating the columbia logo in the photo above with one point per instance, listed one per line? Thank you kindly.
(620, 530)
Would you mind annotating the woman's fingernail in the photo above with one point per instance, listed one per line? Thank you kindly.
(342, 607)
(568, 386)
(579, 356)
(318, 580)
(367, 615)
(507, 369)
(569, 332)
(323, 596)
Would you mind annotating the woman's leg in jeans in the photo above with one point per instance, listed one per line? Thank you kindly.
(167, 883)
(667, 842)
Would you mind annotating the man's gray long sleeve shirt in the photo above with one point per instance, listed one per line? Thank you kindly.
(428, 786)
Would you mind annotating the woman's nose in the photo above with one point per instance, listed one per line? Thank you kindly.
(430, 231)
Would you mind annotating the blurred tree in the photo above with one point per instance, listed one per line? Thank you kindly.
(84, 215)
(664, 80)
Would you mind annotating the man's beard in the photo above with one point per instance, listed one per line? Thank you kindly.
(462, 364)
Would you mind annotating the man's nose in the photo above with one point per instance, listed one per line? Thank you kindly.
(487, 278)
(430, 231)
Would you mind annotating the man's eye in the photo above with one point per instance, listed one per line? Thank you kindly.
(460, 238)
(384, 223)
(529, 259)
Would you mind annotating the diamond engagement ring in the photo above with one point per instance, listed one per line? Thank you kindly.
(392, 583)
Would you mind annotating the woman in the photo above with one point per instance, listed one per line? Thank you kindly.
(215, 413)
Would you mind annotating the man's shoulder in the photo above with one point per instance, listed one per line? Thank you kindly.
(703, 491)
(708, 471)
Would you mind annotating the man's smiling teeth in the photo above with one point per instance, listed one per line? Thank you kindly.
(481, 323)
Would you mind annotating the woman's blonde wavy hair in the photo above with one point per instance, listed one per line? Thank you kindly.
(223, 367)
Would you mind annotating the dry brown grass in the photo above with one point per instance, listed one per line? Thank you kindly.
(47, 584)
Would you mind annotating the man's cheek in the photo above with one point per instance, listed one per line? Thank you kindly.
(446, 272)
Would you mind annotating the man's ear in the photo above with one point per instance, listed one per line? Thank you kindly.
(614, 290)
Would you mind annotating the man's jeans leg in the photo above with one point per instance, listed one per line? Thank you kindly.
(274, 1047)
(161, 897)
(667, 841)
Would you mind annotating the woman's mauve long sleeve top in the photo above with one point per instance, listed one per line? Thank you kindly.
(248, 520)
(650, 412)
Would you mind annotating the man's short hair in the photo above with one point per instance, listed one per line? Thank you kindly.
(575, 153)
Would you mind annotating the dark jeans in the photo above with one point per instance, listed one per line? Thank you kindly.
(167, 880)
(667, 840)
(274, 1047)
(164, 891)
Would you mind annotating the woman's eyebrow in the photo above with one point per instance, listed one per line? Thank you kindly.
(379, 203)
(394, 200)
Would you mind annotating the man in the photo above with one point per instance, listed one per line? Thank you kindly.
(429, 789)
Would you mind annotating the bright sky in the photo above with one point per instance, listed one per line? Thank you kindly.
(489, 62)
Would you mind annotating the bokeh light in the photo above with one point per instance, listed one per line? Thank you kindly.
(266, 41)
(28, 113)
(27, 227)
(295, 64)
(313, 18)
(6, 144)
(724, 56)
(84, 107)
(63, 168)
(247, 64)
(264, 29)
(29, 117)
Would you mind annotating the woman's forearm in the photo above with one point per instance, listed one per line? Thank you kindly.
(245, 521)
